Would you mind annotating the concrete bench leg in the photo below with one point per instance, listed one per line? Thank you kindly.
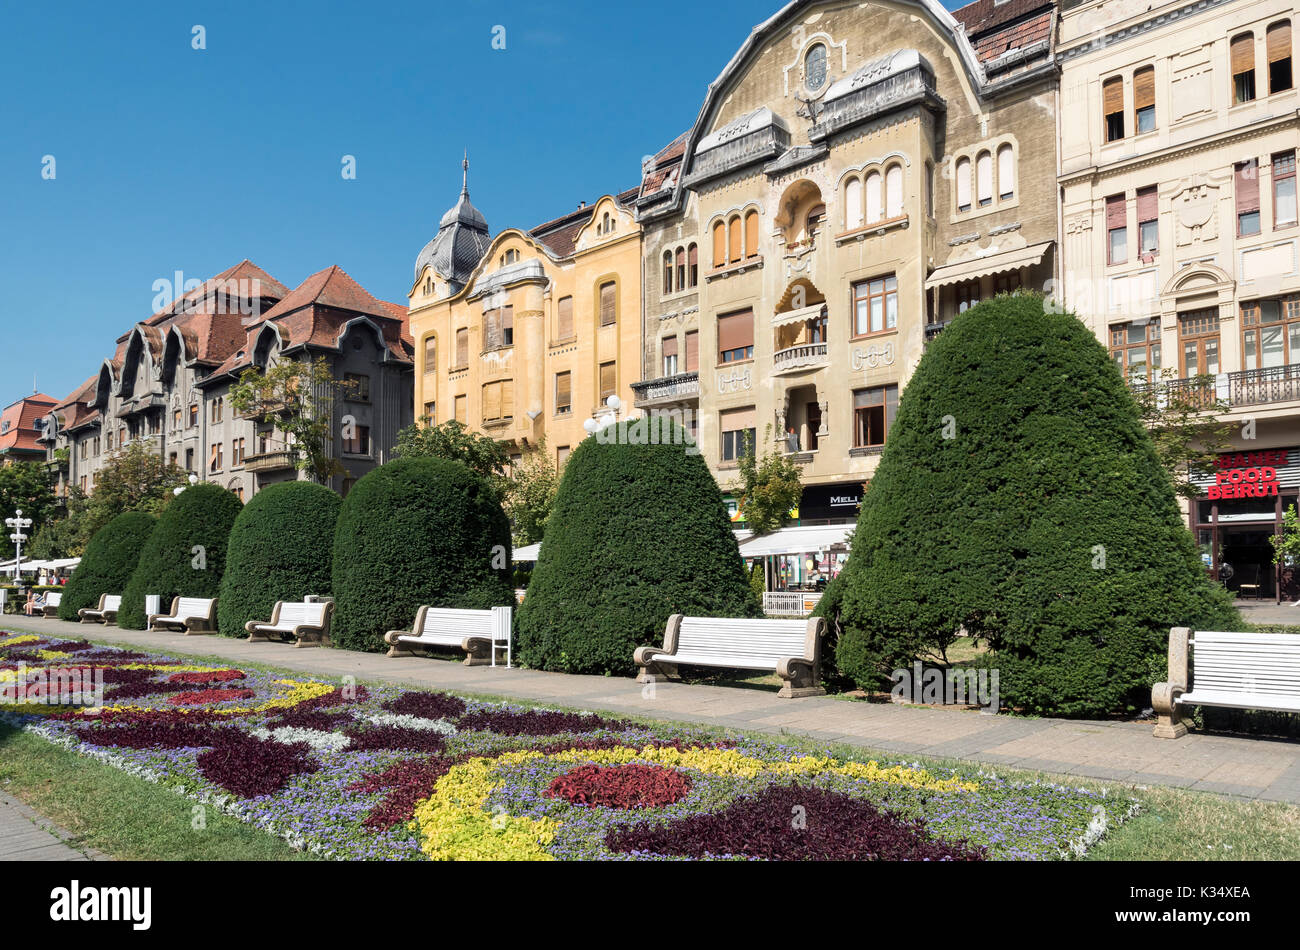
(798, 680)
(1164, 700)
(477, 652)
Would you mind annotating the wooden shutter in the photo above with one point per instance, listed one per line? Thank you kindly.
(963, 185)
(507, 398)
(984, 177)
(1006, 172)
(1247, 190)
(462, 347)
(1148, 206)
(608, 384)
(563, 390)
(735, 331)
(751, 234)
(564, 318)
(734, 239)
(670, 346)
(430, 362)
(507, 321)
(491, 329)
(1279, 41)
(737, 420)
(606, 304)
(668, 272)
(1112, 95)
(719, 244)
(1144, 88)
(693, 261)
(853, 204)
(461, 409)
(692, 351)
(491, 401)
(1243, 53)
(1116, 216)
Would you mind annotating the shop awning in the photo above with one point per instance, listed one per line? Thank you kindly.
(998, 263)
(528, 552)
(798, 316)
(802, 540)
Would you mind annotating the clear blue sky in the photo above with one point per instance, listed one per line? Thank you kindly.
(169, 159)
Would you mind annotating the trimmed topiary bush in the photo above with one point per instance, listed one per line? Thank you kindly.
(638, 532)
(281, 548)
(109, 561)
(1020, 497)
(413, 532)
(200, 517)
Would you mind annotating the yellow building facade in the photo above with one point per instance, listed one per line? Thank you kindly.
(525, 336)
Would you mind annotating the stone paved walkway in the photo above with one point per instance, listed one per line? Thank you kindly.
(1122, 752)
(26, 836)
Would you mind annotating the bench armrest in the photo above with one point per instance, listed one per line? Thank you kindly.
(643, 656)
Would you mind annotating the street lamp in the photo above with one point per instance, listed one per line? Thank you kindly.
(17, 523)
(194, 480)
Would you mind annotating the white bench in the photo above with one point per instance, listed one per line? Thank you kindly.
(1237, 670)
(480, 633)
(307, 624)
(189, 615)
(52, 601)
(791, 648)
(105, 613)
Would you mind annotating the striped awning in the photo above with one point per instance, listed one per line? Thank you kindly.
(998, 263)
(798, 316)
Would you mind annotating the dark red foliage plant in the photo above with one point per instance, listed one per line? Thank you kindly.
(396, 737)
(250, 767)
(206, 696)
(537, 722)
(153, 735)
(202, 679)
(427, 705)
(620, 786)
(793, 823)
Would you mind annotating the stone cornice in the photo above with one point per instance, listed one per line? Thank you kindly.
(1065, 53)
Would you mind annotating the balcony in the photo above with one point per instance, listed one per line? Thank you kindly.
(267, 462)
(800, 357)
(1252, 387)
(666, 390)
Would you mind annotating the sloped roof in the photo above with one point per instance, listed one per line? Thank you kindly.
(18, 429)
(560, 234)
(461, 241)
(245, 272)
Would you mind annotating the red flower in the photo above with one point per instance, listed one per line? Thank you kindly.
(200, 679)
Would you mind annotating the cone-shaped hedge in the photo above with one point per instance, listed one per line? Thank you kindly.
(1021, 497)
(637, 533)
(110, 560)
(172, 564)
(413, 532)
(281, 548)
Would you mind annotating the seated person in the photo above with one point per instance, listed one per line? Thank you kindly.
(35, 605)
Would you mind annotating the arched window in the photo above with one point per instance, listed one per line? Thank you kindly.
(1279, 56)
(668, 272)
(894, 191)
(735, 250)
(853, 204)
(693, 265)
(814, 68)
(984, 179)
(962, 175)
(430, 355)
(875, 196)
(1006, 173)
(719, 244)
(681, 268)
(751, 233)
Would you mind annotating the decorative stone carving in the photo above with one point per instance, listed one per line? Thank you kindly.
(738, 380)
(1195, 213)
(870, 357)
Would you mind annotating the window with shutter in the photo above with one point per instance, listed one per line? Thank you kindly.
(734, 238)
(669, 347)
(894, 192)
(681, 268)
(1116, 230)
(508, 325)
(1148, 214)
(563, 393)
(607, 307)
(853, 204)
(1144, 99)
(507, 399)
(1246, 181)
(462, 348)
(1006, 173)
(875, 198)
(738, 428)
(962, 174)
(668, 272)
(984, 179)
(491, 402)
(608, 381)
(1279, 57)
(751, 234)
(692, 351)
(719, 245)
(1284, 195)
(1112, 107)
(564, 319)
(430, 355)
(462, 410)
(693, 265)
(1242, 57)
(491, 329)
(736, 337)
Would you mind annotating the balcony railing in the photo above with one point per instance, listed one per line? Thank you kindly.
(667, 388)
(799, 357)
(1252, 387)
(277, 461)
(790, 603)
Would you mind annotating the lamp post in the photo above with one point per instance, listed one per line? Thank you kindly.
(17, 523)
(194, 480)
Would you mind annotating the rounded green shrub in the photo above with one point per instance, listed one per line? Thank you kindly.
(637, 533)
(109, 561)
(281, 548)
(1021, 500)
(186, 554)
(414, 532)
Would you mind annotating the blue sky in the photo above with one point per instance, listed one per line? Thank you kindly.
(173, 159)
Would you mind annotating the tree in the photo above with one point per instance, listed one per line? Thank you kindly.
(134, 479)
(638, 532)
(65, 536)
(413, 532)
(111, 558)
(26, 486)
(1021, 500)
(530, 494)
(452, 440)
(185, 555)
(281, 548)
(768, 488)
(1183, 419)
(298, 396)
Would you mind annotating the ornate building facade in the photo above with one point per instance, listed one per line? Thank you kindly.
(168, 382)
(1181, 245)
(527, 335)
(857, 175)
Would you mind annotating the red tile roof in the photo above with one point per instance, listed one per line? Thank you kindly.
(18, 430)
(561, 234)
(984, 15)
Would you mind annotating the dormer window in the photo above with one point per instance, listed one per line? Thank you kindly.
(814, 68)
(510, 257)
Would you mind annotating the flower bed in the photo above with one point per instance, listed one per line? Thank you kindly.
(384, 772)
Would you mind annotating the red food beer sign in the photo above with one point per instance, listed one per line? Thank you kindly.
(1247, 474)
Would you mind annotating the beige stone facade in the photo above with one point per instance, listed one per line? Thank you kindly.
(1180, 240)
(857, 175)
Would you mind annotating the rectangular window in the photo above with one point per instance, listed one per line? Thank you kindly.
(189, 460)
(499, 400)
(1271, 332)
(873, 413)
(1198, 338)
(462, 410)
(875, 305)
(357, 387)
(563, 393)
(194, 414)
(738, 428)
(1242, 57)
(217, 406)
(1112, 107)
(1116, 230)
(561, 456)
(968, 295)
(736, 337)
(499, 328)
(564, 319)
(1246, 181)
(176, 420)
(1148, 214)
(608, 381)
(608, 305)
(1279, 57)
(431, 413)
(237, 452)
(359, 442)
(462, 348)
(692, 351)
(670, 355)
(1135, 348)
(430, 355)
(1144, 99)
(215, 457)
(1284, 197)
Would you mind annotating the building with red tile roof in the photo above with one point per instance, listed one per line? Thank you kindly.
(20, 429)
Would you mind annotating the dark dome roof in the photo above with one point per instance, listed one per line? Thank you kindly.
(461, 241)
